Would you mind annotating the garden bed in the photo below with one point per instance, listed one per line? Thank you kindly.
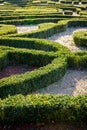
(46, 126)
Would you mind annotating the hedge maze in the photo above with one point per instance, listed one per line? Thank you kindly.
(17, 103)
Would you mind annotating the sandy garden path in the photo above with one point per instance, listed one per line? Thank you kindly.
(26, 28)
(65, 38)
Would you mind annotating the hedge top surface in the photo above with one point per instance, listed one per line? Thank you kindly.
(7, 29)
(80, 38)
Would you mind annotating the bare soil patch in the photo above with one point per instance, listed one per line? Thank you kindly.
(13, 70)
(46, 126)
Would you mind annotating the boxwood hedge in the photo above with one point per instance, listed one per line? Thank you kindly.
(43, 108)
(7, 29)
(80, 38)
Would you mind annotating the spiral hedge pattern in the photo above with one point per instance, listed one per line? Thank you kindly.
(17, 104)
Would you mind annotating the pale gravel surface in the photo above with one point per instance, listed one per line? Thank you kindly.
(65, 38)
(74, 82)
(26, 28)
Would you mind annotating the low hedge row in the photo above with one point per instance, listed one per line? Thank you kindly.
(11, 56)
(36, 19)
(80, 38)
(45, 30)
(33, 16)
(43, 108)
(77, 60)
(30, 21)
(49, 29)
(68, 12)
(30, 43)
(7, 29)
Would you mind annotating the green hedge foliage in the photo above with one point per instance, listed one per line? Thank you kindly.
(53, 66)
(77, 60)
(30, 43)
(7, 29)
(47, 30)
(80, 38)
(43, 108)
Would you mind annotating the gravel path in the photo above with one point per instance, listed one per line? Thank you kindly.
(26, 28)
(65, 38)
(74, 82)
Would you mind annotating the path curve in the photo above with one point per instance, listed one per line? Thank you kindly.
(65, 38)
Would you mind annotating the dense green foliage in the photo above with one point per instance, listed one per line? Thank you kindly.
(7, 29)
(43, 108)
(80, 38)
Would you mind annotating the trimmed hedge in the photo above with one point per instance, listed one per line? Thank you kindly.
(68, 12)
(80, 38)
(77, 60)
(37, 44)
(54, 67)
(43, 108)
(7, 29)
(47, 30)
(30, 21)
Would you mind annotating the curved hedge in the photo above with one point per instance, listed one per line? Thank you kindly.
(53, 60)
(80, 38)
(47, 31)
(53, 64)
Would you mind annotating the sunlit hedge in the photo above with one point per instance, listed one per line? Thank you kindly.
(80, 38)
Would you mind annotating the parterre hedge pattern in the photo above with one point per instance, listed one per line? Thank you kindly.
(17, 104)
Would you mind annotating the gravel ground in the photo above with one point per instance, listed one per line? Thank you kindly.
(26, 28)
(65, 38)
(74, 82)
